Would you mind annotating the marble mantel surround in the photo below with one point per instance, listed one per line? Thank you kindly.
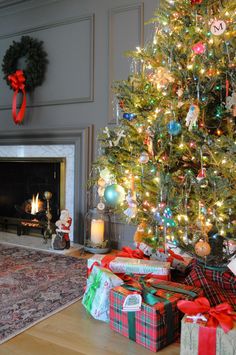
(66, 151)
(75, 146)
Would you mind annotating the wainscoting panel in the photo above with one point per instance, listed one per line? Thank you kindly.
(69, 78)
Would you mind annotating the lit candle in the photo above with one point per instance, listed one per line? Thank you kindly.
(97, 231)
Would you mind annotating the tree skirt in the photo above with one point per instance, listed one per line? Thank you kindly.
(34, 285)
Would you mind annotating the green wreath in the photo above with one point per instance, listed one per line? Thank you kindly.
(35, 58)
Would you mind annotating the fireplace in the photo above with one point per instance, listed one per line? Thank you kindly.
(22, 180)
(57, 161)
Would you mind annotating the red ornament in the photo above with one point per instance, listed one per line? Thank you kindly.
(121, 104)
(199, 48)
(201, 175)
(196, 2)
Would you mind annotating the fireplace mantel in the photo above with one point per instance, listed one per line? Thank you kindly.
(82, 140)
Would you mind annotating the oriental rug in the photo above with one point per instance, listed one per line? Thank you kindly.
(34, 285)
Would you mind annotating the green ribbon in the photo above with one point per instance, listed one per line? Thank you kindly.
(149, 297)
(176, 290)
(90, 295)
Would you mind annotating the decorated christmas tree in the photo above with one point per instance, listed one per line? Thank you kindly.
(169, 164)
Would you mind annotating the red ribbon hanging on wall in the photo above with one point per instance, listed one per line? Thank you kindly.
(17, 81)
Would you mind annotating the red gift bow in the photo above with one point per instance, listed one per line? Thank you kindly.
(17, 81)
(127, 252)
(222, 314)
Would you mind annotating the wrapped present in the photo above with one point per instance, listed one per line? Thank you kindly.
(96, 296)
(124, 265)
(218, 286)
(206, 329)
(157, 323)
(177, 261)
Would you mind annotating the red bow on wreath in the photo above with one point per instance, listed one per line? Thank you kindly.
(17, 81)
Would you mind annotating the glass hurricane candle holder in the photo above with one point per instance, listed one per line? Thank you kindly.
(97, 231)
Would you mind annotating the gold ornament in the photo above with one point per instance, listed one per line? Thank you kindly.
(140, 232)
(202, 248)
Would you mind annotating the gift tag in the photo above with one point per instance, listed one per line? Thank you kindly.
(232, 266)
(132, 303)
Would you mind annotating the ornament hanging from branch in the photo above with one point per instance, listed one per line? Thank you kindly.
(30, 77)
(192, 117)
(218, 27)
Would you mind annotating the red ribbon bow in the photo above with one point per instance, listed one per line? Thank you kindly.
(17, 81)
(127, 252)
(222, 314)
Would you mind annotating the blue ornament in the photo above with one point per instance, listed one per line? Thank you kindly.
(157, 217)
(174, 128)
(114, 194)
(129, 116)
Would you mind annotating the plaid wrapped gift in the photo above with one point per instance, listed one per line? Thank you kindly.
(154, 326)
(218, 286)
(123, 265)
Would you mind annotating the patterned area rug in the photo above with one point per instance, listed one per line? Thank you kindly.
(34, 285)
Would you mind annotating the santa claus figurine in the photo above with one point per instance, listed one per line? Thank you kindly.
(63, 226)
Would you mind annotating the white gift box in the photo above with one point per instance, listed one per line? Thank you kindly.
(96, 296)
(120, 265)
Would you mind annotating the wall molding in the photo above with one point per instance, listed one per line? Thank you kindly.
(82, 139)
(112, 13)
(90, 97)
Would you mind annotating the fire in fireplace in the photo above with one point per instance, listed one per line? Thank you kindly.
(22, 186)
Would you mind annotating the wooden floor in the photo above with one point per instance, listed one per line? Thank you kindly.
(72, 331)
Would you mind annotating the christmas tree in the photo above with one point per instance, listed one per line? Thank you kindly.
(169, 164)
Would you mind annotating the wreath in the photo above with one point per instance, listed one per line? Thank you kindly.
(35, 58)
(24, 80)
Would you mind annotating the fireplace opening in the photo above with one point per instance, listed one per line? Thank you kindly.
(23, 182)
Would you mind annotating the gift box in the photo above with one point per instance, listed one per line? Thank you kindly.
(157, 324)
(218, 286)
(212, 332)
(96, 296)
(123, 265)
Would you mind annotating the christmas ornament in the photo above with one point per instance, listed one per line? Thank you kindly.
(140, 232)
(161, 77)
(174, 128)
(157, 217)
(129, 116)
(114, 194)
(106, 175)
(231, 103)
(131, 211)
(218, 27)
(196, 2)
(201, 175)
(144, 158)
(148, 140)
(101, 182)
(120, 134)
(202, 248)
(192, 117)
(101, 206)
(107, 132)
(101, 191)
(199, 48)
